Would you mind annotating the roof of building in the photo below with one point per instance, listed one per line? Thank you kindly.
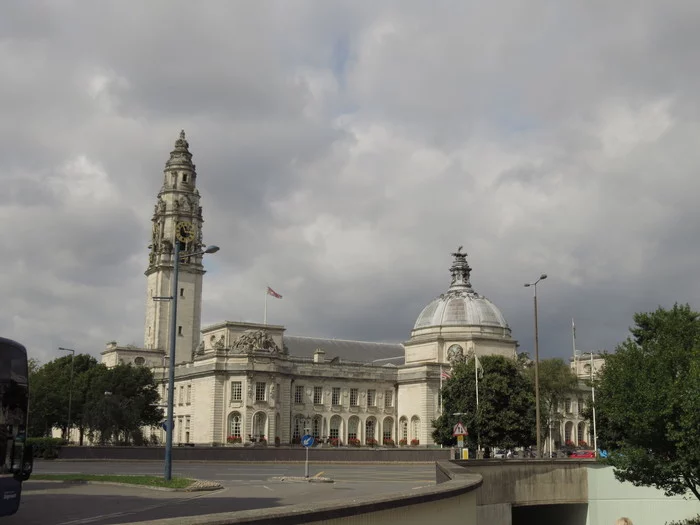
(358, 351)
(461, 305)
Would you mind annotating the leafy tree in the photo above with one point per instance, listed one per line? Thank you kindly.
(50, 390)
(506, 415)
(557, 381)
(648, 402)
(119, 402)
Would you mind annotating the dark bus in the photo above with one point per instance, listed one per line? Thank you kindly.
(16, 457)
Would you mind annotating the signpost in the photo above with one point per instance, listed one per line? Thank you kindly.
(459, 430)
(307, 441)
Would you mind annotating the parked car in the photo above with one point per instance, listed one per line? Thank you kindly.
(500, 454)
(583, 454)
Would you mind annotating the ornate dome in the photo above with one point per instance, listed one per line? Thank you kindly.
(461, 305)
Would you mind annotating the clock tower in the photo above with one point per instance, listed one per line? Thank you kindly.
(177, 217)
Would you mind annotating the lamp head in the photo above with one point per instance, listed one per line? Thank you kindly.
(527, 284)
(211, 249)
(543, 276)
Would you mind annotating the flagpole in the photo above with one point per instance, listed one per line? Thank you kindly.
(476, 376)
(573, 342)
(440, 389)
(595, 433)
(265, 317)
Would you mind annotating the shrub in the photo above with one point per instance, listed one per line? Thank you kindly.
(277, 441)
(415, 442)
(687, 521)
(354, 442)
(388, 442)
(46, 448)
(335, 442)
(582, 444)
(234, 439)
(403, 442)
(371, 442)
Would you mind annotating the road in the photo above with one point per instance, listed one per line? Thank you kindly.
(245, 486)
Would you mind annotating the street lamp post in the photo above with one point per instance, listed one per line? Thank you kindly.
(537, 365)
(173, 338)
(70, 386)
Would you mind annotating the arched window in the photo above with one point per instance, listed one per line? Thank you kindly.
(317, 424)
(259, 420)
(352, 427)
(415, 427)
(370, 425)
(234, 424)
(581, 432)
(387, 429)
(403, 425)
(335, 427)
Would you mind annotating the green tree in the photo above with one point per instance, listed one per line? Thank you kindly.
(506, 414)
(119, 402)
(51, 388)
(648, 402)
(557, 381)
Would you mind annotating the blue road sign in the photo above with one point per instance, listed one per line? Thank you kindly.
(164, 424)
(307, 440)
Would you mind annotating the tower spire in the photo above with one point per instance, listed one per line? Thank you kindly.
(461, 272)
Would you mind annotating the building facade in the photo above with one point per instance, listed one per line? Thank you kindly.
(240, 382)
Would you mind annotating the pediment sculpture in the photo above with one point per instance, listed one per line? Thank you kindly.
(255, 340)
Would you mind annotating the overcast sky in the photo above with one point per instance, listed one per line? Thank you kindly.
(343, 151)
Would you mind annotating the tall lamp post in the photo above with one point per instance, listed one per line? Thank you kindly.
(537, 365)
(173, 338)
(70, 386)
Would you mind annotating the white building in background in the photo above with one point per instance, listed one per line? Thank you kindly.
(249, 380)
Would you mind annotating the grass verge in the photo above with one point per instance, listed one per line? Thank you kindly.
(149, 481)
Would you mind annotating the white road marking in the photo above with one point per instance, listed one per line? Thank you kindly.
(268, 488)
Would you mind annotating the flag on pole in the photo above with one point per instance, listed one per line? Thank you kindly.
(479, 368)
(573, 327)
(274, 294)
(445, 374)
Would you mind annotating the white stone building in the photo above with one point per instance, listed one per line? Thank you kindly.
(250, 380)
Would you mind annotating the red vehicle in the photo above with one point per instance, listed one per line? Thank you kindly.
(583, 454)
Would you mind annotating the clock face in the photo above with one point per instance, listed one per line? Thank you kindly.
(184, 231)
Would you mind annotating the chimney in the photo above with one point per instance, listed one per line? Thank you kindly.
(319, 355)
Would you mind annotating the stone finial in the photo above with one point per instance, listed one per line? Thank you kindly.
(460, 271)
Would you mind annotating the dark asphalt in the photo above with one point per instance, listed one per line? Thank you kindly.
(246, 486)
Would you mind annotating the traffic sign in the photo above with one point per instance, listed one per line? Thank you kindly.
(307, 440)
(459, 430)
(164, 424)
(460, 441)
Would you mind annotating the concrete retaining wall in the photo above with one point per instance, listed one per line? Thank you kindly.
(253, 454)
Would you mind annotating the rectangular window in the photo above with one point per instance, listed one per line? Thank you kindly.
(336, 397)
(353, 397)
(236, 391)
(184, 177)
(568, 406)
(318, 395)
(179, 330)
(299, 394)
(371, 398)
(388, 399)
(260, 391)
(182, 292)
(189, 394)
(277, 393)
(187, 423)
(334, 433)
(182, 395)
(386, 434)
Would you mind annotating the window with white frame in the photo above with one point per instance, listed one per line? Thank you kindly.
(234, 427)
(299, 394)
(353, 397)
(352, 428)
(236, 390)
(188, 400)
(336, 396)
(371, 398)
(404, 429)
(317, 427)
(260, 391)
(318, 395)
(369, 429)
(567, 405)
(182, 395)
(388, 399)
